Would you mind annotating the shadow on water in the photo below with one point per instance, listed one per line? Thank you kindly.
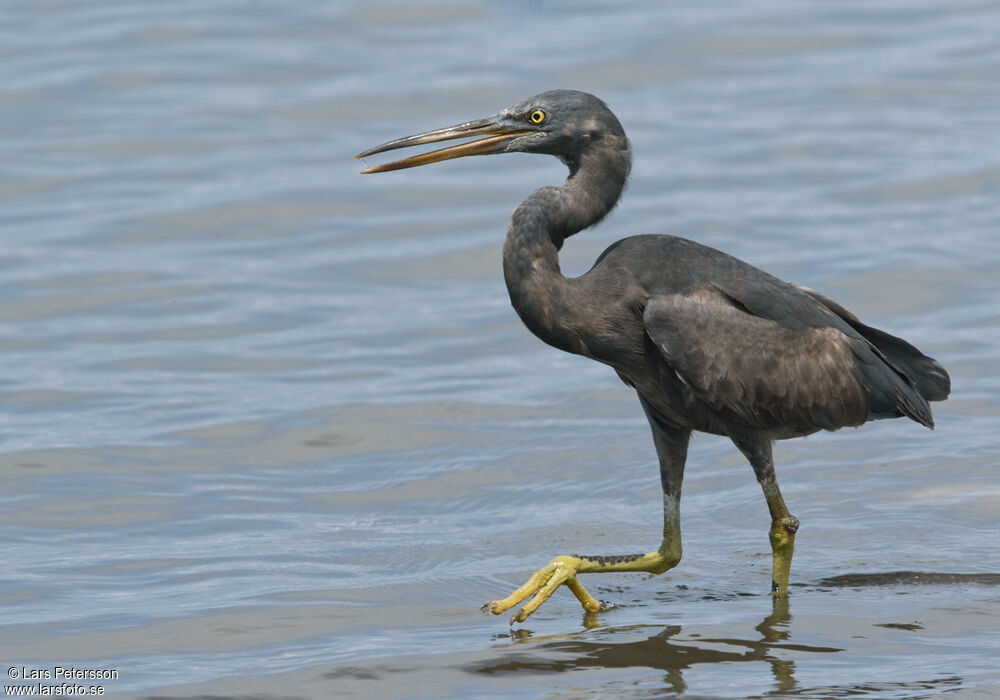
(668, 650)
(908, 578)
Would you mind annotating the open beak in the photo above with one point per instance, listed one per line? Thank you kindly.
(496, 136)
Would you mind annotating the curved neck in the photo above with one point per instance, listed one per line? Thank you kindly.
(538, 291)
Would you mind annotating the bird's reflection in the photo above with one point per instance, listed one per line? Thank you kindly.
(668, 650)
(774, 631)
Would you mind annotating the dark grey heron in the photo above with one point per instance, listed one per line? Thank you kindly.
(708, 342)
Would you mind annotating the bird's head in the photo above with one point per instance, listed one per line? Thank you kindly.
(564, 123)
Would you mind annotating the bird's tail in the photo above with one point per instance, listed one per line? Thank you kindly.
(891, 393)
(926, 373)
(920, 378)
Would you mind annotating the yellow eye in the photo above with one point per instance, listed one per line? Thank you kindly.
(537, 116)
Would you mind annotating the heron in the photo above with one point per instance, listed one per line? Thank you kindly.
(708, 342)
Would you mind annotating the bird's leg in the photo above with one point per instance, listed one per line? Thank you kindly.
(784, 525)
(671, 448)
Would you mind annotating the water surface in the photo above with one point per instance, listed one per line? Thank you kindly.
(271, 428)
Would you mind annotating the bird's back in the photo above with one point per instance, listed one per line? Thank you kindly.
(759, 351)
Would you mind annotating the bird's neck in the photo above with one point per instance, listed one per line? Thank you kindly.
(543, 298)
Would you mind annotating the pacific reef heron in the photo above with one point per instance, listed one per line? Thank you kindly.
(708, 341)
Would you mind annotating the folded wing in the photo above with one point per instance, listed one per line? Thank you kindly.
(805, 368)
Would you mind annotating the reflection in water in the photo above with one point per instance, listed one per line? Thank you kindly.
(774, 629)
(666, 650)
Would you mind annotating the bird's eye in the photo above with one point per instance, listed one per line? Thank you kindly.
(537, 116)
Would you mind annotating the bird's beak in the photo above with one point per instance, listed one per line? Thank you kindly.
(492, 128)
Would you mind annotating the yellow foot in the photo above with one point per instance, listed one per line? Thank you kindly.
(543, 583)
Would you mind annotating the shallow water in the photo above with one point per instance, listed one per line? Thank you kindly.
(271, 428)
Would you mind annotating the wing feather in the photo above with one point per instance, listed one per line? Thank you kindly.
(929, 377)
(761, 372)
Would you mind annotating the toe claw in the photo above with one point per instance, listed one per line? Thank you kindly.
(489, 607)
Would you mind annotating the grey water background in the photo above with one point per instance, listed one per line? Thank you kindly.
(270, 428)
